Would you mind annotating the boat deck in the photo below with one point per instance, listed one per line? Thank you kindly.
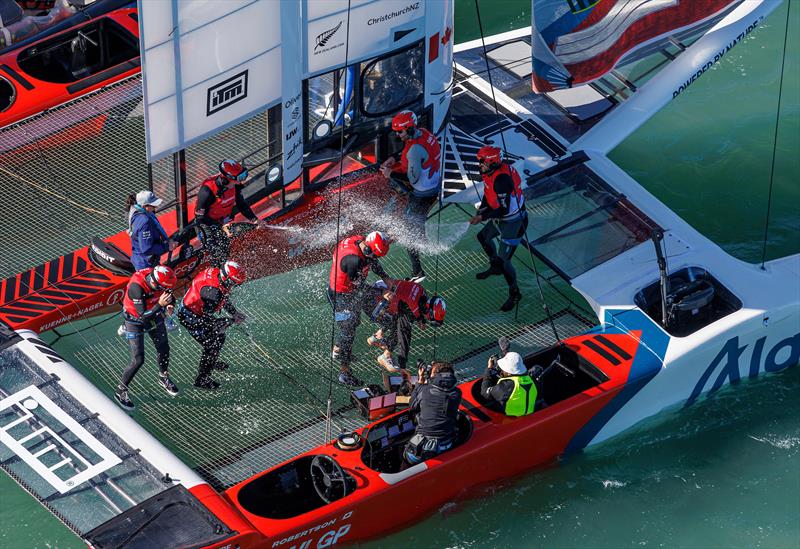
(272, 402)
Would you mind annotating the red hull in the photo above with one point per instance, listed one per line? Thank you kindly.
(34, 95)
(520, 444)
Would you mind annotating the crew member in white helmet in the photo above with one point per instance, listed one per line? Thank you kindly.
(507, 383)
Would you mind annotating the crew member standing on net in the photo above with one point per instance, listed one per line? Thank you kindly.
(148, 294)
(418, 174)
(149, 241)
(503, 206)
(208, 294)
(398, 309)
(214, 209)
(353, 258)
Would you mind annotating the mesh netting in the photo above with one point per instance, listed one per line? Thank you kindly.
(66, 172)
(271, 405)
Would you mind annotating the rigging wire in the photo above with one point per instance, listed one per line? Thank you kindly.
(439, 232)
(489, 72)
(545, 306)
(328, 416)
(775, 138)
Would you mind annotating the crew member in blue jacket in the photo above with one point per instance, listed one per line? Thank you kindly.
(149, 241)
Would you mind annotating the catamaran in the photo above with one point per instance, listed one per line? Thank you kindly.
(670, 317)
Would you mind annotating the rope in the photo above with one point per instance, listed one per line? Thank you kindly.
(52, 193)
(328, 415)
(775, 139)
(505, 153)
(438, 234)
(489, 73)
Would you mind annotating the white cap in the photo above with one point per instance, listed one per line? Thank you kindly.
(512, 364)
(148, 198)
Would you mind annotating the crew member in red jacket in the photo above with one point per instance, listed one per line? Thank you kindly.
(397, 310)
(503, 205)
(419, 175)
(353, 259)
(213, 211)
(208, 294)
(148, 295)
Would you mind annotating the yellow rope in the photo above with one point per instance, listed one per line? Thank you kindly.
(52, 193)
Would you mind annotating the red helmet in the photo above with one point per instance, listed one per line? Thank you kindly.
(437, 308)
(232, 170)
(404, 120)
(164, 277)
(377, 243)
(490, 155)
(232, 271)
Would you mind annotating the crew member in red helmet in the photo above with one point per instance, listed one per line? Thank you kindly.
(208, 293)
(503, 206)
(353, 259)
(213, 211)
(418, 173)
(397, 309)
(148, 295)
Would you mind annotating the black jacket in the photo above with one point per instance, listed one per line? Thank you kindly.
(493, 390)
(435, 404)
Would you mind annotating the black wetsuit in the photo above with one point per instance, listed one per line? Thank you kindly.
(206, 329)
(348, 306)
(150, 321)
(509, 231)
(216, 242)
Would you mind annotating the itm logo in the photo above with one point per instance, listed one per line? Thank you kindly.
(785, 353)
(323, 37)
(226, 93)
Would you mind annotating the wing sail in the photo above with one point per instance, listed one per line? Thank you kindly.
(577, 41)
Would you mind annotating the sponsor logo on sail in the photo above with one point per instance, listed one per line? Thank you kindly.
(393, 14)
(226, 93)
(323, 39)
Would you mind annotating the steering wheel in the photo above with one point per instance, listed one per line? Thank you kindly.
(328, 478)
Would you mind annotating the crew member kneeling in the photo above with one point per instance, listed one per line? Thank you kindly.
(419, 174)
(435, 404)
(503, 205)
(506, 382)
(148, 294)
(214, 208)
(209, 293)
(402, 306)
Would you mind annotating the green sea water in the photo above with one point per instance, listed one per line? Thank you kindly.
(726, 472)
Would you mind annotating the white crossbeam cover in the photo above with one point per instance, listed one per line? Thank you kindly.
(63, 465)
(207, 64)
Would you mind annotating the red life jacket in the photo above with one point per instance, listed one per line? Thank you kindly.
(222, 207)
(208, 277)
(150, 296)
(516, 199)
(409, 293)
(431, 145)
(338, 281)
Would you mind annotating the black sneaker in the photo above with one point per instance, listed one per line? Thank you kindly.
(220, 365)
(419, 276)
(206, 382)
(514, 297)
(349, 380)
(123, 399)
(495, 268)
(168, 386)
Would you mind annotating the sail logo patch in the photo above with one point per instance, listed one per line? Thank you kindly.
(324, 37)
(226, 93)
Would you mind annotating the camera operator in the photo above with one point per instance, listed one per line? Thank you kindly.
(434, 404)
(507, 383)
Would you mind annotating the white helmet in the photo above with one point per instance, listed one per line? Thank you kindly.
(512, 364)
